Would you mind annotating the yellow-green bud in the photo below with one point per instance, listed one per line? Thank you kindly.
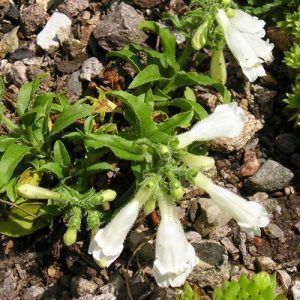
(218, 67)
(35, 192)
(101, 263)
(108, 195)
(149, 206)
(226, 2)
(199, 37)
(176, 189)
(198, 162)
(230, 13)
(163, 149)
(70, 236)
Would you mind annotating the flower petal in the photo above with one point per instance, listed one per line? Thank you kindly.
(247, 23)
(227, 120)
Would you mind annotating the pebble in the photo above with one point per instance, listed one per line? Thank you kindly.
(9, 42)
(147, 3)
(33, 292)
(17, 73)
(271, 176)
(285, 278)
(74, 84)
(297, 226)
(47, 38)
(274, 231)
(21, 53)
(230, 247)
(265, 263)
(210, 217)
(296, 290)
(33, 18)
(81, 286)
(193, 237)
(73, 7)
(46, 4)
(90, 69)
(251, 164)
(12, 12)
(119, 28)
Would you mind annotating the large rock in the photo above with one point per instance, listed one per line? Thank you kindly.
(271, 176)
(120, 28)
(233, 144)
(211, 217)
(213, 267)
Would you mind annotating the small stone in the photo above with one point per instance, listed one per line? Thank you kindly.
(33, 18)
(296, 290)
(234, 144)
(46, 4)
(265, 98)
(18, 73)
(271, 176)
(21, 53)
(90, 69)
(287, 143)
(265, 263)
(247, 258)
(258, 242)
(219, 232)
(9, 42)
(210, 217)
(119, 28)
(74, 84)
(193, 237)
(230, 247)
(213, 267)
(285, 278)
(251, 164)
(147, 3)
(115, 288)
(270, 204)
(33, 292)
(47, 38)
(297, 226)
(81, 286)
(68, 66)
(274, 231)
(73, 7)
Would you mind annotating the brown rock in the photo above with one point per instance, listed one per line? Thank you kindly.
(33, 18)
(251, 164)
(147, 3)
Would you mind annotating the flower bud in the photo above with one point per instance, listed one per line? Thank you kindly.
(176, 189)
(149, 206)
(35, 192)
(199, 37)
(226, 2)
(198, 162)
(218, 67)
(108, 195)
(230, 13)
(70, 236)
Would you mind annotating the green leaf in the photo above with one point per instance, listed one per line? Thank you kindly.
(5, 142)
(168, 41)
(150, 74)
(9, 161)
(121, 147)
(129, 56)
(199, 112)
(26, 94)
(70, 115)
(18, 223)
(191, 78)
(96, 168)
(54, 168)
(179, 119)
(143, 124)
(61, 155)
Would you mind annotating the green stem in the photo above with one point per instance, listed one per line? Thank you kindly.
(188, 50)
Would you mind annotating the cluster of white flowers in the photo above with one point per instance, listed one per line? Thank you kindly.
(244, 36)
(175, 256)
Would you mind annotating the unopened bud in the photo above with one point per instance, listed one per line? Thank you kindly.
(199, 37)
(218, 67)
(149, 206)
(101, 263)
(108, 195)
(198, 162)
(35, 192)
(70, 236)
(176, 189)
(226, 2)
(230, 13)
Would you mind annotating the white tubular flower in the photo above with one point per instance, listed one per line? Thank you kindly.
(249, 215)
(243, 34)
(107, 244)
(227, 120)
(175, 256)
